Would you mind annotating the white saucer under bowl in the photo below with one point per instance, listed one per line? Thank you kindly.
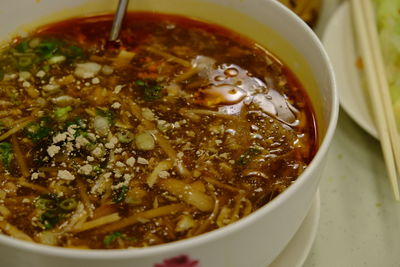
(298, 248)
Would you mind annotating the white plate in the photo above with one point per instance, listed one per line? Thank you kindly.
(297, 250)
(339, 42)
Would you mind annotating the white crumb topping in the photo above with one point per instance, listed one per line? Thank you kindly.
(86, 169)
(143, 161)
(116, 105)
(40, 74)
(35, 176)
(97, 152)
(163, 174)
(111, 144)
(65, 175)
(81, 141)
(118, 89)
(59, 137)
(130, 161)
(119, 164)
(53, 150)
(95, 80)
(87, 70)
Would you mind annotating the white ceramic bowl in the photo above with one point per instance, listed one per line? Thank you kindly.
(255, 240)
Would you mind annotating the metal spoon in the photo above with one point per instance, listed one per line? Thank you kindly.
(122, 4)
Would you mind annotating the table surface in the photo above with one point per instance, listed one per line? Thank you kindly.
(360, 221)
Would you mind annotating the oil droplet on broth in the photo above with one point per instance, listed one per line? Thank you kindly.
(221, 94)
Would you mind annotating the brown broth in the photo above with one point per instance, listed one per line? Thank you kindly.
(178, 128)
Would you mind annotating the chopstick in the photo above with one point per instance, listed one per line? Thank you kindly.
(117, 22)
(377, 85)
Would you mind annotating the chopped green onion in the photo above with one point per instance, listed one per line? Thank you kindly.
(24, 62)
(46, 204)
(49, 219)
(68, 204)
(61, 113)
(46, 49)
(97, 169)
(125, 136)
(22, 47)
(140, 83)
(109, 239)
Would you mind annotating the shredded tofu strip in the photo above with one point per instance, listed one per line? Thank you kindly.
(221, 185)
(169, 57)
(161, 166)
(98, 222)
(19, 156)
(8, 112)
(210, 113)
(204, 224)
(160, 139)
(145, 215)
(35, 187)
(187, 74)
(14, 231)
(76, 220)
(21, 124)
(103, 210)
(188, 193)
(84, 197)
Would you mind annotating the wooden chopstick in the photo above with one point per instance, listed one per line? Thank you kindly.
(377, 84)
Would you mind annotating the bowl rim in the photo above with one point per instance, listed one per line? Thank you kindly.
(183, 245)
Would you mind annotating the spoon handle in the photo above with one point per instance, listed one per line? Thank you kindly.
(122, 4)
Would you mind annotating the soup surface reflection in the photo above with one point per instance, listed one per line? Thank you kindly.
(179, 128)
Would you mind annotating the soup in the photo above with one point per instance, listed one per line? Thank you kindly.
(179, 128)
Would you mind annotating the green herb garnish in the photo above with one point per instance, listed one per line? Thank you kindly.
(74, 52)
(106, 113)
(48, 48)
(248, 155)
(109, 239)
(37, 131)
(54, 209)
(23, 46)
(6, 154)
(151, 90)
(120, 194)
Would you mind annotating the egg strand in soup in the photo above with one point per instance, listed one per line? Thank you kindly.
(179, 128)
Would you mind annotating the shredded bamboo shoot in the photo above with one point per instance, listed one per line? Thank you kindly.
(145, 215)
(35, 187)
(169, 57)
(16, 128)
(84, 197)
(161, 166)
(98, 222)
(19, 157)
(14, 231)
(188, 194)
